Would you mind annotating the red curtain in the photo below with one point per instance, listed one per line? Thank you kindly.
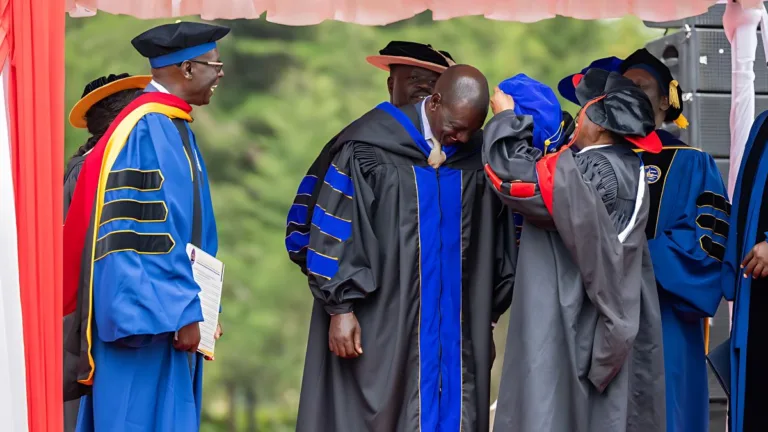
(34, 30)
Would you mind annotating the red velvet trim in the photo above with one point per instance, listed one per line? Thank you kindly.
(545, 168)
(576, 79)
(516, 189)
(522, 190)
(495, 180)
(650, 143)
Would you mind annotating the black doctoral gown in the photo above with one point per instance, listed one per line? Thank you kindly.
(71, 407)
(425, 259)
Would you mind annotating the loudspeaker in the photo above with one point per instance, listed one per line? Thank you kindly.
(700, 59)
(723, 165)
(709, 115)
(713, 18)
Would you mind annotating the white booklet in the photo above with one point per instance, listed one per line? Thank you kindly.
(209, 275)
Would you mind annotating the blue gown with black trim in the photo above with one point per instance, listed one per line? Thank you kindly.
(687, 226)
(143, 286)
(748, 227)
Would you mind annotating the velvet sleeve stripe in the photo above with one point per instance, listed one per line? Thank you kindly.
(333, 226)
(297, 215)
(140, 180)
(138, 211)
(712, 248)
(339, 181)
(131, 241)
(297, 241)
(307, 185)
(714, 224)
(716, 201)
(322, 265)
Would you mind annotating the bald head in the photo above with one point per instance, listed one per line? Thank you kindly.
(459, 105)
(463, 84)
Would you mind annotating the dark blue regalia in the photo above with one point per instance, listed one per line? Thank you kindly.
(686, 230)
(748, 226)
(143, 287)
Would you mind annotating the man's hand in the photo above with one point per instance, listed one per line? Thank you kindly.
(501, 101)
(755, 264)
(188, 338)
(344, 336)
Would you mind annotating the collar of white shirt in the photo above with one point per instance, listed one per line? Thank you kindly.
(159, 87)
(425, 123)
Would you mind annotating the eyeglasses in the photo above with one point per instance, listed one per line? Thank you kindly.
(216, 65)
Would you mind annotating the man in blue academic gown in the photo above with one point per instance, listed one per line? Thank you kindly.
(142, 197)
(744, 281)
(686, 232)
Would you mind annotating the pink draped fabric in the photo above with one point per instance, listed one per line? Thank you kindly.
(381, 12)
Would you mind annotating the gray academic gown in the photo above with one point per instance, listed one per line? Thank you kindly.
(584, 350)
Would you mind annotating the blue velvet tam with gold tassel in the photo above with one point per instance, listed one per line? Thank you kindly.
(540, 102)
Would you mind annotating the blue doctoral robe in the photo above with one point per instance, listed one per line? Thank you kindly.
(687, 227)
(747, 228)
(141, 382)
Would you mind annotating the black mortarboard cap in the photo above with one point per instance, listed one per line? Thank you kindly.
(643, 59)
(412, 54)
(171, 44)
(618, 105)
(102, 81)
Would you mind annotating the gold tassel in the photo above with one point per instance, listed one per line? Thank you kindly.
(682, 122)
(673, 99)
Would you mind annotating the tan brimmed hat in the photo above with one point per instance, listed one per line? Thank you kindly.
(412, 54)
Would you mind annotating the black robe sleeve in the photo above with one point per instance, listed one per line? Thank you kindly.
(70, 181)
(506, 259)
(510, 161)
(343, 249)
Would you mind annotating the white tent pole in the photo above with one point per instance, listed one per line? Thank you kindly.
(741, 29)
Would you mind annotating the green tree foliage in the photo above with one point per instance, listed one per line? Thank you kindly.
(287, 90)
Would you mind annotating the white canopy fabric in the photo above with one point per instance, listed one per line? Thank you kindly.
(380, 12)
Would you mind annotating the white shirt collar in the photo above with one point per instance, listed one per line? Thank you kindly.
(159, 87)
(594, 147)
(428, 135)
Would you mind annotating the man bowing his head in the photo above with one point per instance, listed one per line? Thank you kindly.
(409, 268)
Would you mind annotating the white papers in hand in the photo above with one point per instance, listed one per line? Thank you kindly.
(209, 275)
